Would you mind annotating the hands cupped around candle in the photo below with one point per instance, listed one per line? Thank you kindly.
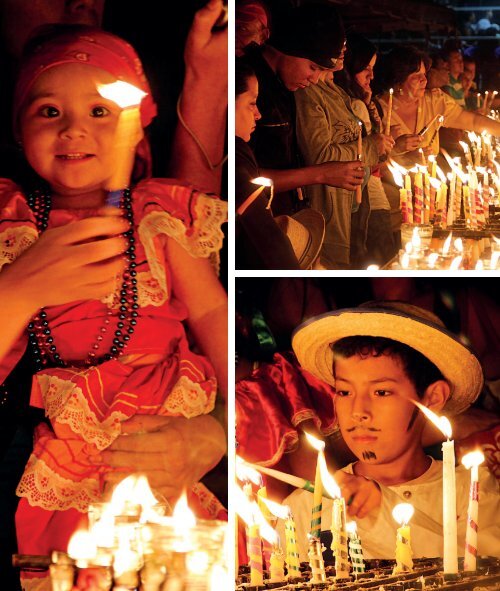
(365, 494)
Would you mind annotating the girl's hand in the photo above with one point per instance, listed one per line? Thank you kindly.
(79, 261)
(365, 494)
(173, 452)
(384, 143)
(408, 142)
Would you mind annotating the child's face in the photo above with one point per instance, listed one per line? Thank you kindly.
(67, 129)
(372, 402)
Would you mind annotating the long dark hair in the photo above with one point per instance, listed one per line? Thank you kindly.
(242, 72)
(358, 55)
(398, 65)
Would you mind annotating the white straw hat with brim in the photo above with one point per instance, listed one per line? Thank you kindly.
(306, 231)
(400, 322)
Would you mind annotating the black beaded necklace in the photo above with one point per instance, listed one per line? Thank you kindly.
(39, 333)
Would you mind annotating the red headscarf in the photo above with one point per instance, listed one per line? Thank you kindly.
(55, 45)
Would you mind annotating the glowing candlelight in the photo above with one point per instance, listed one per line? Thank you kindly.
(389, 113)
(127, 135)
(447, 244)
(450, 558)
(402, 513)
(82, 548)
(264, 182)
(432, 259)
(319, 446)
(338, 526)
(292, 552)
(248, 511)
(355, 549)
(472, 461)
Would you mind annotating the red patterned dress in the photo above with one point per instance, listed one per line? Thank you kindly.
(157, 374)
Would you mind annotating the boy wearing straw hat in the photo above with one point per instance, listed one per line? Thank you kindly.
(381, 357)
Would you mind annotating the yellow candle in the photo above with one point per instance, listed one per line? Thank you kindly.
(277, 564)
(360, 158)
(292, 550)
(255, 555)
(450, 558)
(402, 513)
(316, 561)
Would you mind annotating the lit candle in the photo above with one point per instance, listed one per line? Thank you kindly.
(292, 552)
(389, 113)
(450, 558)
(402, 513)
(319, 446)
(277, 564)
(471, 461)
(127, 135)
(360, 158)
(315, 554)
(418, 192)
(255, 555)
(338, 526)
(355, 549)
(409, 198)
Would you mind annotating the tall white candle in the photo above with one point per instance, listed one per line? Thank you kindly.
(450, 558)
(472, 461)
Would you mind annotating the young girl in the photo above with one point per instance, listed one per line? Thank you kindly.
(100, 292)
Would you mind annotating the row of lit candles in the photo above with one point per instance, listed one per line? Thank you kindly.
(131, 542)
(342, 533)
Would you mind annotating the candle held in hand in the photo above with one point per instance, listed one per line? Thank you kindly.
(128, 131)
(360, 158)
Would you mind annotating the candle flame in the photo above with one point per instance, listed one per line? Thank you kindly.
(372, 268)
(397, 176)
(280, 511)
(262, 180)
(391, 90)
(82, 548)
(182, 514)
(415, 238)
(122, 93)
(131, 492)
(405, 260)
(327, 479)
(441, 422)
(351, 527)
(447, 244)
(458, 244)
(441, 174)
(435, 183)
(251, 514)
(431, 260)
(403, 512)
(494, 260)
(479, 265)
(473, 458)
(455, 263)
(316, 443)
(245, 472)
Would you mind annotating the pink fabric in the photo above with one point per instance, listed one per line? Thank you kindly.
(91, 46)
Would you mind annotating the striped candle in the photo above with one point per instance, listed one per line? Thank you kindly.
(472, 461)
(292, 551)
(418, 192)
(355, 549)
(318, 488)
(255, 555)
(339, 539)
(315, 555)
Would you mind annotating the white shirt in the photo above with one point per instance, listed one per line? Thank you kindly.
(377, 531)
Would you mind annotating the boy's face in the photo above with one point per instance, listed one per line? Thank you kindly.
(68, 129)
(298, 72)
(372, 402)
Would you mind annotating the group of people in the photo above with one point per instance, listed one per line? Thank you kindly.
(308, 119)
(351, 379)
(114, 322)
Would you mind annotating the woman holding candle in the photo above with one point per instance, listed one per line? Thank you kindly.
(328, 129)
(72, 267)
(382, 358)
(355, 79)
(414, 107)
